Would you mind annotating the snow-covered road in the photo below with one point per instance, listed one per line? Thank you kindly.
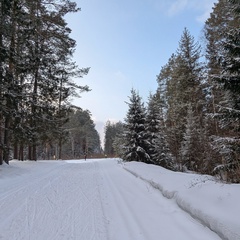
(92, 200)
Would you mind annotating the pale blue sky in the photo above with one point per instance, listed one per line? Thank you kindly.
(126, 42)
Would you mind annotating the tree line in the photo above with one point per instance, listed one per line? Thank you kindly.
(36, 76)
(192, 121)
(81, 138)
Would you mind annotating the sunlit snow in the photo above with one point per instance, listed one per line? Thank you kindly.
(105, 199)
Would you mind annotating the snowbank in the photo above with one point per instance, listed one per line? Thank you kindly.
(214, 204)
(33, 193)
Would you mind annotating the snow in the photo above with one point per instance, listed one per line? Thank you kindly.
(108, 199)
(214, 204)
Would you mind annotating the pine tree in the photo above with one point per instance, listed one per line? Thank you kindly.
(36, 74)
(51, 66)
(136, 145)
(9, 88)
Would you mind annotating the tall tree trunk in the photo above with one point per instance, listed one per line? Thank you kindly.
(29, 152)
(10, 87)
(20, 156)
(15, 151)
(1, 80)
(6, 141)
(34, 123)
(34, 152)
(60, 148)
(1, 143)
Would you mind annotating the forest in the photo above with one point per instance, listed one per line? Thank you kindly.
(37, 73)
(192, 121)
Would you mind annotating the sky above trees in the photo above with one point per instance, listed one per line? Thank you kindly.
(125, 43)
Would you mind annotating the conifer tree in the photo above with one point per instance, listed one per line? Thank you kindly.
(152, 123)
(215, 29)
(194, 147)
(36, 73)
(229, 112)
(112, 132)
(156, 132)
(118, 143)
(184, 85)
(136, 145)
(9, 88)
(81, 136)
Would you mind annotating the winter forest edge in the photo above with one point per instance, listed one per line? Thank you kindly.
(191, 122)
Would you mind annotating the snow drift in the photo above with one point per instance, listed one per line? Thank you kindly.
(214, 204)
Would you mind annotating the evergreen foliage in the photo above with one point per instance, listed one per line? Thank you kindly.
(136, 145)
(192, 121)
(155, 127)
(183, 76)
(36, 73)
(81, 136)
(113, 132)
(153, 118)
(193, 152)
(229, 112)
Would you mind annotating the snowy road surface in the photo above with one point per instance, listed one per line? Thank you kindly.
(92, 200)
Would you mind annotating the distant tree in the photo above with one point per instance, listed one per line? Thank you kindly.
(82, 136)
(110, 134)
(119, 142)
(136, 145)
(112, 131)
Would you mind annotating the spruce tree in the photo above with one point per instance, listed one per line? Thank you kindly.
(215, 29)
(229, 114)
(136, 146)
(184, 85)
(152, 123)
(156, 132)
(194, 149)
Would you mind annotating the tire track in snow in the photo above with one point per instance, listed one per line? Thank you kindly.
(91, 201)
(137, 211)
(59, 206)
(129, 223)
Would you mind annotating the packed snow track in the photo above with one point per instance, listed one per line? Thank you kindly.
(89, 200)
